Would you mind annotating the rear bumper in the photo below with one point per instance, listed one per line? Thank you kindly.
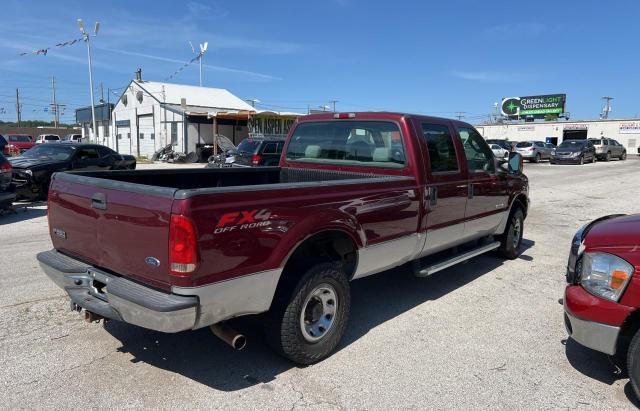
(118, 298)
(6, 198)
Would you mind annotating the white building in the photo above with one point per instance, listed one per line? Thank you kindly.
(626, 131)
(150, 115)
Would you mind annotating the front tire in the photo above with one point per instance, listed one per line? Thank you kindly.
(623, 156)
(633, 363)
(581, 160)
(511, 239)
(306, 324)
(608, 156)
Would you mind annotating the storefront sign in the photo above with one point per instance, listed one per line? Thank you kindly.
(631, 127)
(526, 128)
(576, 127)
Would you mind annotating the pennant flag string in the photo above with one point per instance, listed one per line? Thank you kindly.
(44, 51)
(184, 66)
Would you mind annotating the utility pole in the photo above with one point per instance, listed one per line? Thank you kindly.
(460, 115)
(607, 108)
(334, 104)
(87, 40)
(102, 93)
(18, 109)
(54, 106)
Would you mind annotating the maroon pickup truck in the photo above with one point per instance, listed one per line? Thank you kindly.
(602, 298)
(354, 194)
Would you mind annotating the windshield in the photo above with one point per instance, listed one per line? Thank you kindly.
(524, 144)
(356, 143)
(573, 144)
(20, 139)
(57, 152)
(248, 146)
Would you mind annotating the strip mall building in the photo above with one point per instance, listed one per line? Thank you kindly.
(625, 131)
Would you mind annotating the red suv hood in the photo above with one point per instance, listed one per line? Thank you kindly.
(617, 232)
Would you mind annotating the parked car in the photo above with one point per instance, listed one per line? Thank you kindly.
(252, 152)
(608, 148)
(6, 193)
(47, 138)
(21, 142)
(7, 149)
(602, 297)
(534, 151)
(76, 138)
(503, 143)
(574, 152)
(354, 195)
(499, 151)
(33, 169)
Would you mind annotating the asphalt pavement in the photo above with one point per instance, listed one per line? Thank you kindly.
(484, 334)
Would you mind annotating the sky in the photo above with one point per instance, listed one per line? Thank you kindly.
(437, 58)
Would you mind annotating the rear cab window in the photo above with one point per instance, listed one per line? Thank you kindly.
(442, 150)
(349, 143)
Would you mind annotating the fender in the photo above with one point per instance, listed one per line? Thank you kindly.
(503, 224)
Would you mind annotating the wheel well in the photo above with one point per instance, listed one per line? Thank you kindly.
(520, 201)
(629, 328)
(326, 246)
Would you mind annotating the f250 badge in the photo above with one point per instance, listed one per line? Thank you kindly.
(242, 220)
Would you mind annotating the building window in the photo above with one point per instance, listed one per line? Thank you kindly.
(105, 126)
(119, 136)
(153, 136)
(174, 133)
(141, 136)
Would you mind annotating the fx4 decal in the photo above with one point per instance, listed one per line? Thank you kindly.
(242, 220)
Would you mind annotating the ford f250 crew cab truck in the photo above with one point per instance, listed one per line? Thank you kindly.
(354, 194)
(602, 298)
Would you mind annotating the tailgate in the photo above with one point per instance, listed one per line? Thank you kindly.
(119, 227)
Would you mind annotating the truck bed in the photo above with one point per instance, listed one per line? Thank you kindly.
(188, 182)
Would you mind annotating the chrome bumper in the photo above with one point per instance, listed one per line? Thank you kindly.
(118, 298)
(597, 336)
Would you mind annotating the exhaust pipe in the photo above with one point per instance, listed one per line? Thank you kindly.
(229, 335)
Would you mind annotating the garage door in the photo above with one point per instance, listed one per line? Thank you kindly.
(123, 135)
(146, 136)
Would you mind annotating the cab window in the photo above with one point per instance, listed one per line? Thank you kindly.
(442, 151)
(87, 154)
(479, 155)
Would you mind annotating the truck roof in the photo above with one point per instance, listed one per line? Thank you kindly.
(372, 115)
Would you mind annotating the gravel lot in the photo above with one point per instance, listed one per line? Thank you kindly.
(485, 334)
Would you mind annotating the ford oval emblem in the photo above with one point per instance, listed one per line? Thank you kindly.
(152, 261)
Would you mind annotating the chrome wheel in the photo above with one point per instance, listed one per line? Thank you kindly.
(318, 312)
(516, 233)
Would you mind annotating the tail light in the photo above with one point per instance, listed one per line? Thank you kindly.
(256, 159)
(183, 246)
(5, 167)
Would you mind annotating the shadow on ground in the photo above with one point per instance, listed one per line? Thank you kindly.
(23, 212)
(200, 356)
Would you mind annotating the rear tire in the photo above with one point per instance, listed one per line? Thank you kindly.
(511, 239)
(608, 156)
(538, 158)
(306, 324)
(633, 363)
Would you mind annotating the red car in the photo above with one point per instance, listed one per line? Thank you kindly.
(602, 298)
(354, 194)
(18, 144)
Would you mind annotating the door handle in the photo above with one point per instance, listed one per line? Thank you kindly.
(99, 201)
(470, 191)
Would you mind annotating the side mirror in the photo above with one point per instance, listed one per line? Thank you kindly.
(515, 163)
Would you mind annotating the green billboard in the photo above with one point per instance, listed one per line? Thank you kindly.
(533, 106)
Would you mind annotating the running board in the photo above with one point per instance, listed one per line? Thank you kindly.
(427, 271)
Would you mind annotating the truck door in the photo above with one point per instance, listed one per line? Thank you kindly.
(487, 199)
(446, 186)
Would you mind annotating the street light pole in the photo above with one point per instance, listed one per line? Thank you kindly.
(87, 37)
